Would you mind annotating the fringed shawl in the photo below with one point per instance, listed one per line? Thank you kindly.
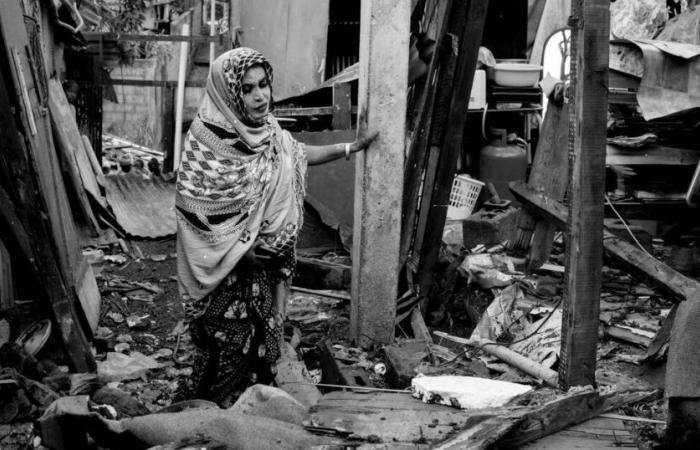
(237, 181)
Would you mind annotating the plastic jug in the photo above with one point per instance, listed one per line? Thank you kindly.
(501, 162)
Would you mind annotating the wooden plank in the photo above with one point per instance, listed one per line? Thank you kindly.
(88, 295)
(44, 162)
(168, 111)
(420, 329)
(514, 427)
(36, 250)
(594, 434)
(652, 155)
(384, 34)
(37, 182)
(570, 411)
(7, 291)
(69, 142)
(630, 258)
(92, 157)
(450, 142)
(342, 106)
(584, 254)
(547, 176)
(167, 84)
(116, 37)
(393, 417)
(440, 73)
(648, 269)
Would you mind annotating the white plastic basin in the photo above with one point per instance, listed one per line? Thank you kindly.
(516, 74)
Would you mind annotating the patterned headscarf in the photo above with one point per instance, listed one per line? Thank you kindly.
(223, 103)
(235, 64)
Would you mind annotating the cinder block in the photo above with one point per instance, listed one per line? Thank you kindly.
(489, 227)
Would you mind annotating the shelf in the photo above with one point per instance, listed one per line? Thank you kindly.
(510, 110)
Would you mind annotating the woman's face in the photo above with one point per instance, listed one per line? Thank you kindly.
(256, 93)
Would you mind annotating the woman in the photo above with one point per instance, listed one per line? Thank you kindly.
(240, 194)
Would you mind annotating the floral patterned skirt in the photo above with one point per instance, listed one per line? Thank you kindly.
(237, 339)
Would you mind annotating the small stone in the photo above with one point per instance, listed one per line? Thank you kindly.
(115, 259)
(380, 369)
(125, 338)
(122, 347)
(162, 353)
(116, 317)
(103, 333)
(136, 322)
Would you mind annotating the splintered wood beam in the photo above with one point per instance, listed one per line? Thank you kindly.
(35, 214)
(384, 36)
(628, 257)
(420, 161)
(590, 22)
(448, 140)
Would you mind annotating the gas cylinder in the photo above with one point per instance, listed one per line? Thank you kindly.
(501, 162)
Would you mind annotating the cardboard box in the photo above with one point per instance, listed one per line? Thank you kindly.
(477, 98)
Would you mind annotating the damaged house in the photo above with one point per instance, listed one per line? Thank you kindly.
(500, 251)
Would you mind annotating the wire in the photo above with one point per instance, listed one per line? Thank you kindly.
(624, 223)
(536, 331)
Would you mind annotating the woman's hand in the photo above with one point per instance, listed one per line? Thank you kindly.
(363, 142)
(258, 256)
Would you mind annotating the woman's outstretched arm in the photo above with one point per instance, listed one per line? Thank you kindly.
(319, 154)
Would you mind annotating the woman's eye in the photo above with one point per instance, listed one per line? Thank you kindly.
(263, 83)
(247, 88)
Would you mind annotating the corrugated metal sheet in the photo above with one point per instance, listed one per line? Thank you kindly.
(143, 207)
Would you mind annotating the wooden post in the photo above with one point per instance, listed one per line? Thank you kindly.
(384, 35)
(180, 101)
(7, 291)
(590, 21)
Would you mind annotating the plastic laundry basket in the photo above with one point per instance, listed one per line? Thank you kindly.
(463, 197)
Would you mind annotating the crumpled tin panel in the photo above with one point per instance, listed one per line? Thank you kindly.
(143, 207)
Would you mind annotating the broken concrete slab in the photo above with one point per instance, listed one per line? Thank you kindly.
(466, 392)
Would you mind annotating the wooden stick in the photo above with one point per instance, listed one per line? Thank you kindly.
(320, 293)
(180, 101)
(632, 418)
(361, 388)
(530, 367)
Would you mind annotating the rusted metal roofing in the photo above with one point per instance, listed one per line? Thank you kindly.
(143, 207)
